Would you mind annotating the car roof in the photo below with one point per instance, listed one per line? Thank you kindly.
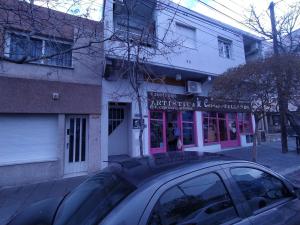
(139, 170)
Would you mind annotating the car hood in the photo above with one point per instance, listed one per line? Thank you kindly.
(41, 212)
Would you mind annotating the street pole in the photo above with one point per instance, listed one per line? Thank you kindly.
(274, 30)
(282, 101)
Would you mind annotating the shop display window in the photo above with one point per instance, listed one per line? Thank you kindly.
(168, 126)
(156, 129)
(188, 132)
(245, 123)
(210, 128)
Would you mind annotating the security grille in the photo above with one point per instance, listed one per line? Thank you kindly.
(116, 117)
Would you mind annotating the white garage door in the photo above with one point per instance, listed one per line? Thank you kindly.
(28, 138)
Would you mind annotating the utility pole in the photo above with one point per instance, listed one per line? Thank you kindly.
(282, 101)
(274, 30)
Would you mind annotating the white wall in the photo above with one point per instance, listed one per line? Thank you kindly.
(203, 58)
(120, 91)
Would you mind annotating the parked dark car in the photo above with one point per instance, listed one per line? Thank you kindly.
(174, 188)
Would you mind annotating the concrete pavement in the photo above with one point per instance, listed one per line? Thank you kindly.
(269, 154)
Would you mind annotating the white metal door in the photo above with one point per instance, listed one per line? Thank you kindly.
(76, 144)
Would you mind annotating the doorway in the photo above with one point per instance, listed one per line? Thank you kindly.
(118, 129)
(229, 134)
(76, 144)
(173, 130)
(167, 128)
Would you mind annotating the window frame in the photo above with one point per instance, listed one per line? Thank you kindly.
(157, 149)
(116, 116)
(192, 42)
(240, 196)
(21, 37)
(180, 178)
(223, 42)
(244, 121)
(194, 129)
(180, 123)
(8, 53)
(218, 130)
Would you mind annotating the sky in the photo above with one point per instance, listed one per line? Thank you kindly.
(237, 9)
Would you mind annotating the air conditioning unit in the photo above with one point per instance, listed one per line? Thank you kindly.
(193, 87)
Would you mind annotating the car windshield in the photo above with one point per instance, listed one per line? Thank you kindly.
(91, 201)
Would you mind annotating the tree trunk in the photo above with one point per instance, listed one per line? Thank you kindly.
(141, 124)
(254, 147)
(283, 107)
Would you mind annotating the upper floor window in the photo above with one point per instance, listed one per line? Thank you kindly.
(19, 46)
(135, 22)
(225, 48)
(62, 59)
(188, 35)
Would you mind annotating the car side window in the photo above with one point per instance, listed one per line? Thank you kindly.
(260, 189)
(201, 200)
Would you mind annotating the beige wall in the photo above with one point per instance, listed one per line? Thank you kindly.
(87, 67)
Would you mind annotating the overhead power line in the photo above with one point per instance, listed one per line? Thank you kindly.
(224, 14)
(226, 7)
(237, 4)
(186, 16)
(201, 18)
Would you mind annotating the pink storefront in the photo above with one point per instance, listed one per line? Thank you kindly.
(174, 124)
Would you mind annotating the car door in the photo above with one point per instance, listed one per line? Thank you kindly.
(200, 197)
(268, 198)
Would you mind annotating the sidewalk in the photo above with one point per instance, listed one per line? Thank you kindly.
(269, 154)
(14, 199)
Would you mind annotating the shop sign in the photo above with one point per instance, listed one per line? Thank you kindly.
(177, 102)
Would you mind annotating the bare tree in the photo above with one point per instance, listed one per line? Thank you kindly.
(137, 44)
(25, 22)
(254, 82)
(286, 42)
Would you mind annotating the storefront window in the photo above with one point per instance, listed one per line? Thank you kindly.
(210, 128)
(179, 127)
(188, 132)
(232, 126)
(223, 129)
(156, 129)
(245, 122)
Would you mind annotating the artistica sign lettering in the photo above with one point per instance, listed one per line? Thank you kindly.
(177, 102)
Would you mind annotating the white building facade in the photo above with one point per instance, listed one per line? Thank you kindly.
(177, 112)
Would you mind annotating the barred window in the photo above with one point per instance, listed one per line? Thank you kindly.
(20, 46)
